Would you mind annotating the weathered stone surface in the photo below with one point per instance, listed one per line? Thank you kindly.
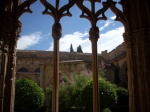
(69, 63)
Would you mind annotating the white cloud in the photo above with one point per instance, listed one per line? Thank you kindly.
(75, 39)
(110, 39)
(113, 17)
(107, 41)
(107, 23)
(27, 41)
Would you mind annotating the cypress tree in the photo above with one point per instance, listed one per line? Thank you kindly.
(79, 49)
(71, 48)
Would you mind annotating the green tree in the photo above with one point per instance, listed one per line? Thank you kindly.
(69, 93)
(29, 97)
(123, 100)
(101, 73)
(79, 49)
(71, 48)
(76, 94)
(107, 95)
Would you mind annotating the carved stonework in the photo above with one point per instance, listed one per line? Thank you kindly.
(94, 33)
(1, 44)
(135, 18)
(126, 37)
(10, 28)
(57, 13)
(139, 36)
(138, 53)
(56, 31)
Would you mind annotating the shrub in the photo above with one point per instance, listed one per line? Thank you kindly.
(106, 110)
(48, 95)
(107, 95)
(77, 94)
(123, 96)
(65, 94)
(29, 97)
(123, 100)
(69, 93)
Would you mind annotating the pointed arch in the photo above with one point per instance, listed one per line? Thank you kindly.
(23, 70)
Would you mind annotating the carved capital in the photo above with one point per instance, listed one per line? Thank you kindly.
(14, 35)
(94, 33)
(127, 37)
(16, 27)
(6, 48)
(9, 35)
(139, 36)
(1, 44)
(16, 30)
(57, 31)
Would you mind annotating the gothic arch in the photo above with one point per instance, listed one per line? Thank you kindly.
(23, 70)
(135, 17)
(37, 70)
(124, 74)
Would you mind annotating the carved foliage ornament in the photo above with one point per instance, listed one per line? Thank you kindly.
(25, 7)
(57, 31)
(11, 11)
(15, 7)
(93, 16)
(56, 12)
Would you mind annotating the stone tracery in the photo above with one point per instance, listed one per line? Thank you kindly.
(135, 38)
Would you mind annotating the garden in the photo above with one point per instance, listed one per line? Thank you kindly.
(75, 95)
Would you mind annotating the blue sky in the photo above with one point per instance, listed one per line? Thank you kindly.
(36, 31)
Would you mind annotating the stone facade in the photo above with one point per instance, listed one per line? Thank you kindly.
(135, 18)
(115, 65)
(38, 65)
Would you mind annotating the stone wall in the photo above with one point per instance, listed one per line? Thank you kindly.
(116, 61)
(114, 53)
(69, 68)
(38, 65)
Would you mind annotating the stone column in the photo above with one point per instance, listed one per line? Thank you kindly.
(56, 33)
(4, 60)
(138, 55)
(9, 92)
(94, 35)
(5, 28)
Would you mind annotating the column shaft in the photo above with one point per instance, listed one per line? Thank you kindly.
(94, 35)
(138, 55)
(2, 78)
(56, 33)
(9, 92)
(55, 92)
